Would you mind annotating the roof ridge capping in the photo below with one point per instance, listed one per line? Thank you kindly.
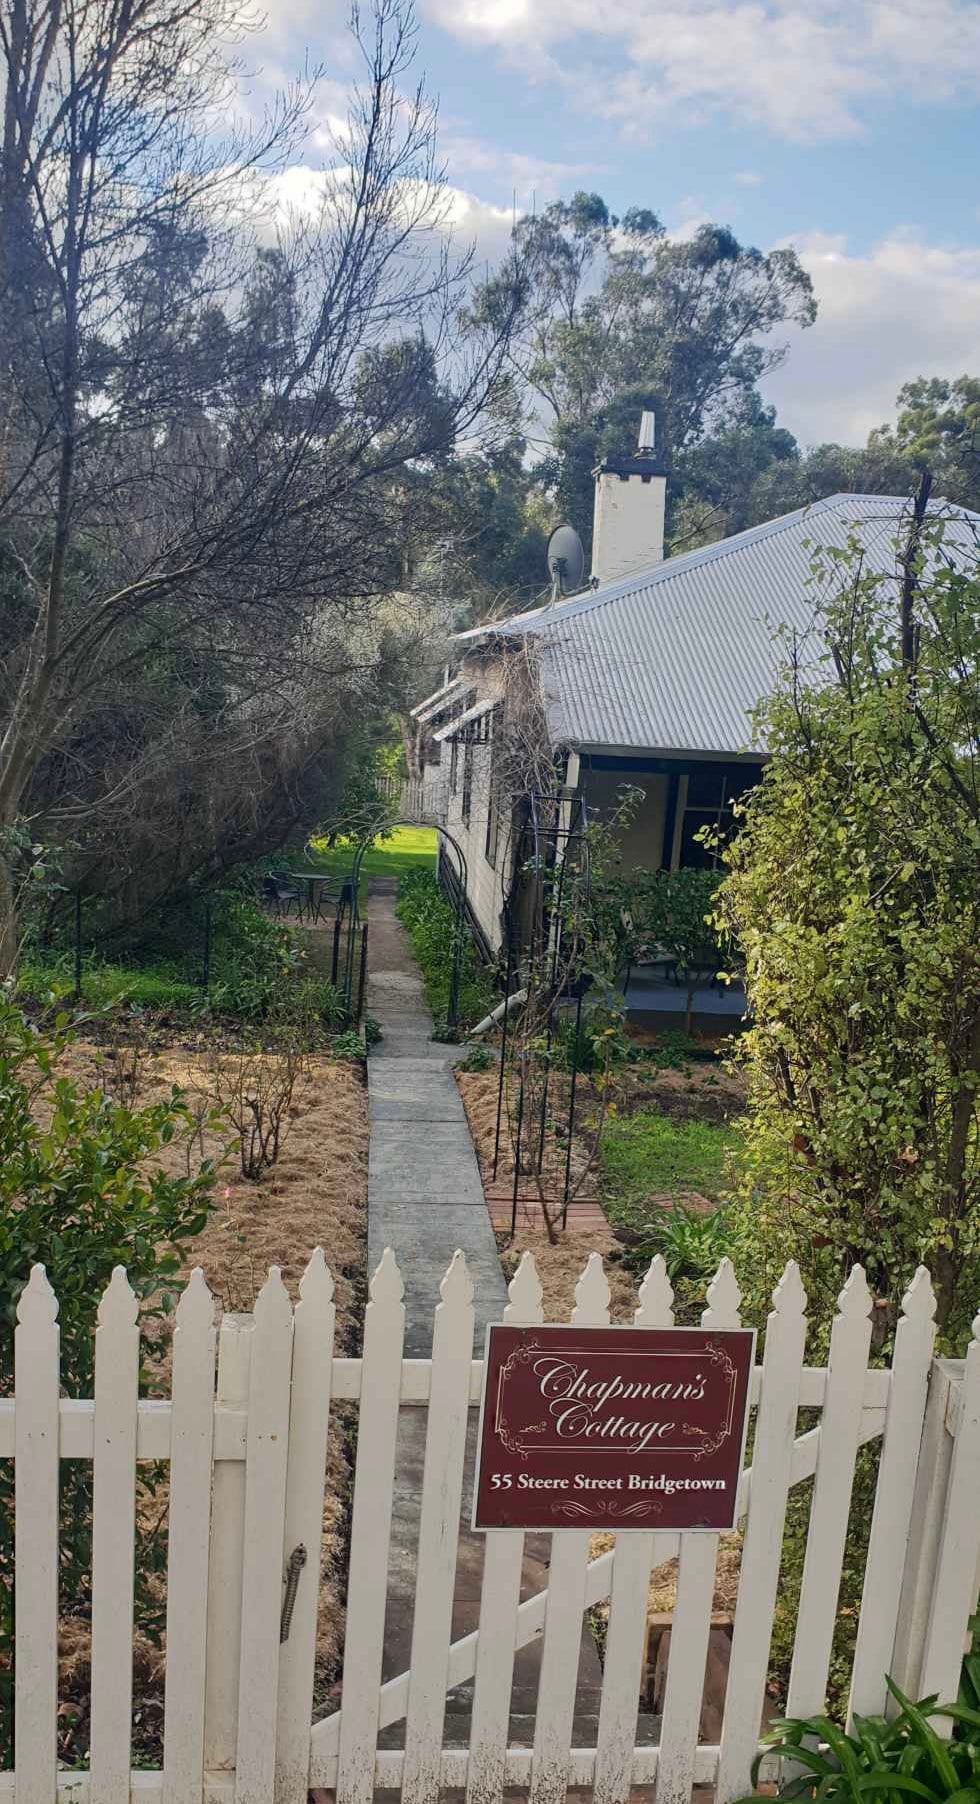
(587, 600)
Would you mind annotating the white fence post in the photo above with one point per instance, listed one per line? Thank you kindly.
(566, 1603)
(442, 1488)
(840, 1427)
(36, 1365)
(113, 1530)
(265, 1508)
(772, 1452)
(224, 1630)
(892, 1513)
(691, 1630)
(367, 1585)
(954, 1593)
(191, 1448)
(309, 1415)
(925, 1531)
(636, 1554)
(500, 1596)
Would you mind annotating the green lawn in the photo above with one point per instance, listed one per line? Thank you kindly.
(648, 1154)
(405, 849)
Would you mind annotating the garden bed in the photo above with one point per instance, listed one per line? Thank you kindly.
(315, 1194)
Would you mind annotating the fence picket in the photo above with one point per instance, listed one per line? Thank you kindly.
(191, 1443)
(500, 1593)
(840, 1428)
(892, 1512)
(367, 1585)
(775, 1430)
(691, 1626)
(265, 1508)
(954, 1595)
(309, 1415)
(442, 1489)
(635, 1555)
(566, 1603)
(113, 1539)
(36, 1374)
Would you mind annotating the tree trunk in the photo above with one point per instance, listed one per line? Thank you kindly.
(8, 908)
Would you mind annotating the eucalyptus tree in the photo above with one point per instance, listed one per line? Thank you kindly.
(214, 407)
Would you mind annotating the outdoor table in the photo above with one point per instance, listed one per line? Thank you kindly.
(316, 882)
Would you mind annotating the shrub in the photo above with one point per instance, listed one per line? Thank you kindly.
(255, 1088)
(852, 890)
(879, 1759)
(433, 928)
(79, 1193)
(477, 1058)
(693, 1243)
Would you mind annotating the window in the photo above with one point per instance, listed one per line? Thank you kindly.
(711, 792)
(467, 780)
(493, 799)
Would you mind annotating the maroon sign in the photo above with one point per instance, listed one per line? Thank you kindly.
(612, 1428)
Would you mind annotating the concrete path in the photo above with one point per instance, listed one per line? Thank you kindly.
(425, 1199)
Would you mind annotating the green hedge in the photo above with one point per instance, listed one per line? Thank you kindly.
(431, 923)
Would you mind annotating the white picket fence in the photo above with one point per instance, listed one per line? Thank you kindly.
(247, 1485)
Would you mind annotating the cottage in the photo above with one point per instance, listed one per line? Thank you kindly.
(647, 677)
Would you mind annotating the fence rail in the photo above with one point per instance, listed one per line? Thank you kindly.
(246, 1493)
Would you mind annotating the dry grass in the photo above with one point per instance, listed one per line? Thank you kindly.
(561, 1266)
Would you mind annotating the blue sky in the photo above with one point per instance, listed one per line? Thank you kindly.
(850, 128)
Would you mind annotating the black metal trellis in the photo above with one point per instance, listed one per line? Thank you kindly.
(552, 857)
(462, 882)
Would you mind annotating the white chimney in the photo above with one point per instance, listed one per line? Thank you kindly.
(630, 497)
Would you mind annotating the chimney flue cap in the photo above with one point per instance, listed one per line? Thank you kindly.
(648, 431)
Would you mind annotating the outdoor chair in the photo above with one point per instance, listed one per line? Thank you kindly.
(282, 892)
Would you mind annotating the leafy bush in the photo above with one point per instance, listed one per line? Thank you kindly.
(880, 1758)
(347, 1045)
(477, 1058)
(432, 925)
(79, 1193)
(852, 889)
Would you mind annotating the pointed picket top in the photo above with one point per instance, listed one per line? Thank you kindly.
(855, 1300)
(656, 1297)
(196, 1307)
(272, 1305)
(919, 1301)
(316, 1284)
(789, 1297)
(724, 1299)
(118, 1306)
(386, 1286)
(592, 1295)
(456, 1288)
(525, 1294)
(38, 1305)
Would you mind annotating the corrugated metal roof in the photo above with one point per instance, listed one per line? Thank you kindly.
(674, 658)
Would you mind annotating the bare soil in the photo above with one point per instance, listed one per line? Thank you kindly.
(316, 1194)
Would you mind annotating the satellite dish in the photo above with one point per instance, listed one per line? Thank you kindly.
(566, 561)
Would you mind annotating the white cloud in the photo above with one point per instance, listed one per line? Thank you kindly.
(747, 178)
(906, 308)
(531, 177)
(802, 68)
